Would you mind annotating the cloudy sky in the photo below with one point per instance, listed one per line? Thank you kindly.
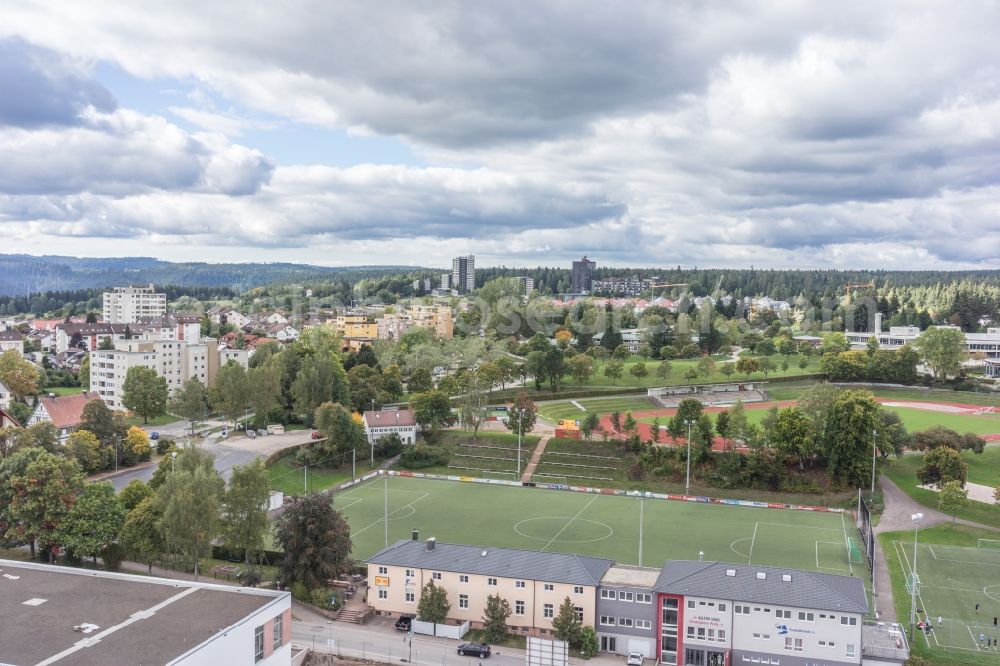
(660, 133)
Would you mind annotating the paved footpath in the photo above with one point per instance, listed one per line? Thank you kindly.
(536, 457)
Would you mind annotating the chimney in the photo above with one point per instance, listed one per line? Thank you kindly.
(430, 543)
(416, 535)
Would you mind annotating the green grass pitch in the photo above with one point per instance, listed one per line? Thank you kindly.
(595, 524)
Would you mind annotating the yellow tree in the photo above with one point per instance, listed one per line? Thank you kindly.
(19, 374)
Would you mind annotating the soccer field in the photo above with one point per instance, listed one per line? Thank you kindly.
(952, 580)
(593, 524)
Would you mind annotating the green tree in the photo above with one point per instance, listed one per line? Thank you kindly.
(316, 541)
(136, 446)
(93, 524)
(747, 366)
(191, 500)
(638, 370)
(614, 369)
(581, 368)
(941, 465)
(590, 424)
(229, 393)
(689, 409)
(766, 365)
(341, 431)
(83, 446)
(943, 350)
(366, 388)
(190, 402)
(522, 414)
(588, 642)
(245, 509)
(83, 376)
(41, 498)
(663, 369)
(794, 435)
(18, 374)
(108, 427)
(872, 346)
(567, 625)
(620, 353)
(144, 392)
(954, 498)
(141, 536)
(431, 410)
(536, 367)
(474, 406)
(706, 366)
(433, 605)
(834, 343)
(495, 617)
(420, 381)
(848, 436)
(555, 367)
(133, 493)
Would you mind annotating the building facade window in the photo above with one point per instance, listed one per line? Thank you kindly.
(492, 582)
(549, 587)
(547, 611)
(643, 598)
(409, 597)
(382, 571)
(435, 575)
(463, 601)
(519, 584)
(383, 593)
(258, 643)
(578, 589)
(806, 617)
(608, 594)
(463, 579)
(578, 612)
(518, 608)
(607, 621)
(278, 634)
(850, 649)
(409, 573)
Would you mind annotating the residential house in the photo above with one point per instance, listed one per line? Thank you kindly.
(125, 305)
(381, 423)
(222, 315)
(282, 332)
(12, 340)
(6, 397)
(64, 412)
(89, 336)
(6, 420)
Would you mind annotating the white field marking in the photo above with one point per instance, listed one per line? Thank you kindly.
(610, 533)
(932, 551)
(974, 641)
(578, 514)
(578, 405)
(901, 550)
(354, 500)
(732, 547)
(382, 520)
(829, 543)
(752, 540)
(847, 545)
(988, 595)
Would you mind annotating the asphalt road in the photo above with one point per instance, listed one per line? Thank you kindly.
(235, 450)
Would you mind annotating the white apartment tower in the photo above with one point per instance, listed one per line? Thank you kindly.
(463, 273)
(125, 305)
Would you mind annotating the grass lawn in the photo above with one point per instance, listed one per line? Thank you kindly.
(290, 478)
(594, 524)
(903, 469)
(922, 419)
(676, 378)
(564, 409)
(952, 572)
(63, 390)
(163, 419)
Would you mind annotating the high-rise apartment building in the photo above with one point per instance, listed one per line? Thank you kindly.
(583, 276)
(463, 273)
(126, 305)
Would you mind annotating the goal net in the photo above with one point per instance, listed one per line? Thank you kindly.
(992, 544)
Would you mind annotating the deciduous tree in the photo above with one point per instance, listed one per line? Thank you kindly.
(94, 523)
(229, 394)
(954, 498)
(190, 402)
(141, 536)
(567, 625)
(18, 374)
(941, 465)
(495, 617)
(245, 509)
(133, 493)
(41, 499)
(943, 350)
(191, 500)
(144, 392)
(433, 605)
(316, 541)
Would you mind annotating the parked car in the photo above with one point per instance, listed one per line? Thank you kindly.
(404, 623)
(154, 435)
(315, 435)
(481, 650)
(634, 659)
(251, 434)
(262, 432)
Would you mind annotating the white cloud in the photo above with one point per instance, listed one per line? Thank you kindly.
(707, 133)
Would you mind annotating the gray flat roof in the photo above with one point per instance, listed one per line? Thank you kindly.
(500, 562)
(139, 619)
(805, 589)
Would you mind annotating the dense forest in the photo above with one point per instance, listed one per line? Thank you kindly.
(25, 275)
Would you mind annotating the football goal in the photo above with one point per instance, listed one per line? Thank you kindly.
(992, 544)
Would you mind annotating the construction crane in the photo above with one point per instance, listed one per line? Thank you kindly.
(857, 285)
(655, 286)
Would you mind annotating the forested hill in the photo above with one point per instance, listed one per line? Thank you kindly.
(22, 275)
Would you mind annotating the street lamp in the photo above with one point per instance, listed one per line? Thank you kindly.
(916, 518)
(874, 450)
(687, 484)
